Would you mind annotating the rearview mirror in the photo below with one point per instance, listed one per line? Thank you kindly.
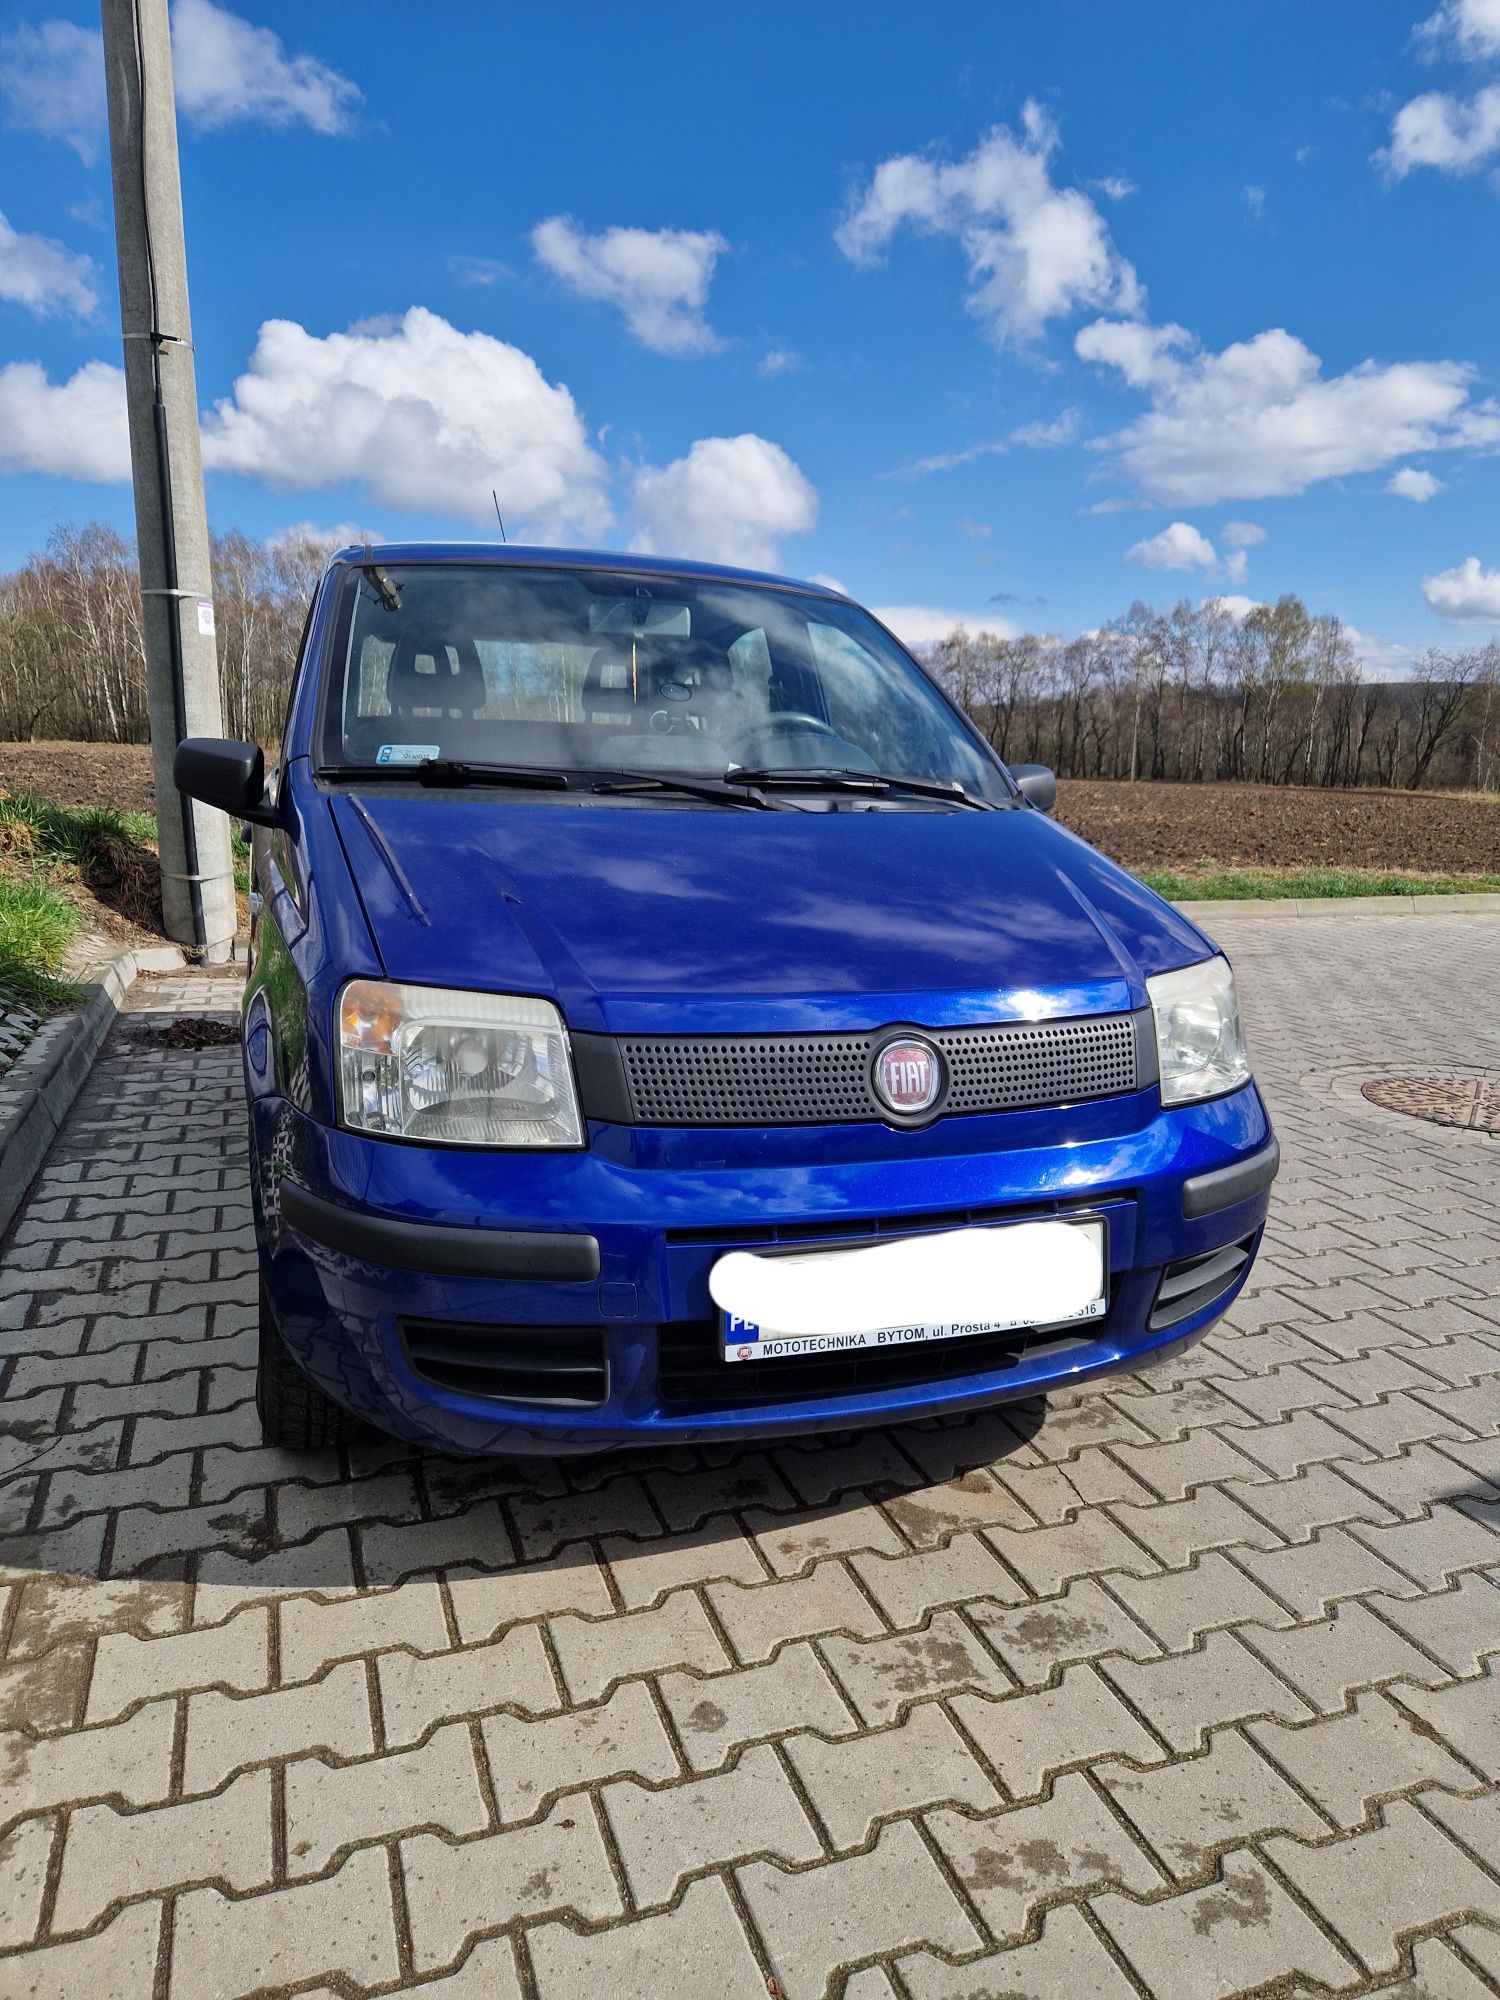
(1037, 784)
(222, 772)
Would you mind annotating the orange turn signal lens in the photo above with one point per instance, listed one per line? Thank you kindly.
(369, 1016)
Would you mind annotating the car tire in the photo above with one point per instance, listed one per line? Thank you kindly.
(295, 1415)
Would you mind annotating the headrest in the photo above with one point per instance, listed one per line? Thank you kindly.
(422, 675)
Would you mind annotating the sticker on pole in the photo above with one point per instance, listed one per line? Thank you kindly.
(206, 617)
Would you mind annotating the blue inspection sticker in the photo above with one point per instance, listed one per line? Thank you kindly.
(407, 753)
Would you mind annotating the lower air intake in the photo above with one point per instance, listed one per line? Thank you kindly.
(1194, 1283)
(550, 1367)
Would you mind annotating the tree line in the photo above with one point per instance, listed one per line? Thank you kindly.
(1276, 696)
(72, 654)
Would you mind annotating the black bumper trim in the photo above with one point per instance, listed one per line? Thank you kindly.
(401, 1245)
(1206, 1194)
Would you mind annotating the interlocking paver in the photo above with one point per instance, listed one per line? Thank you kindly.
(596, 1652)
(226, 1731)
(907, 1588)
(1188, 1809)
(1240, 1933)
(1028, 1736)
(416, 1691)
(1070, 1844)
(1345, 1761)
(130, 1759)
(128, 1669)
(881, 1676)
(923, 1762)
(708, 1822)
(1352, 1648)
(1081, 1624)
(893, 1898)
(452, 1891)
(330, 1806)
(113, 1964)
(1186, 1694)
(345, 1924)
(1067, 1958)
(1393, 1878)
(109, 1855)
(622, 1737)
(1460, 1627)
(758, 1620)
(25, 1854)
(713, 1717)
(698, 1951)
(313, 1634)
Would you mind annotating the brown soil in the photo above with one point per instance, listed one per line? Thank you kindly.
(81, 774)
(1173, 826)
(1145, 826)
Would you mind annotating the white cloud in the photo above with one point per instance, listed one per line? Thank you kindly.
(1035, 252)
(52, 80)
(1471, 27)
(1115, 186)
(41, 275)
(1260, 418)
(1453, 134)
(71, 430)
(1237, 607)
(1383, 659)
(298, 534)
(1050, 436)
(729, 500)
(229, 71)
(420, 415)
(780, 361)
(1469, 593)
(946, 461)
(1180, 546)
(924, 624)
(1254, 199)
(1242, 534)
(1410, 483)
(657, 278)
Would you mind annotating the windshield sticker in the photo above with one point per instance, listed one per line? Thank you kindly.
(407, 753)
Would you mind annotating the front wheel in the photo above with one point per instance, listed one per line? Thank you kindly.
(295, 1415)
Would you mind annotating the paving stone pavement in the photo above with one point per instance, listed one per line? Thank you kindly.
(1190, 1691)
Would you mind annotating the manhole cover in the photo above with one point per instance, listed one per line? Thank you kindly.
(1471, 1102)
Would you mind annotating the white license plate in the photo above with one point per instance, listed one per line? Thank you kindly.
(945, 1286)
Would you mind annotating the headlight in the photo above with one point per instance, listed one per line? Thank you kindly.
(1199, 1040)
(455, 1069)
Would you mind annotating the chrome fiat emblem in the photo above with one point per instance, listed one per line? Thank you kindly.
(908, 1075)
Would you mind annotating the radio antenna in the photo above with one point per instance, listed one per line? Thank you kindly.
(498, 516)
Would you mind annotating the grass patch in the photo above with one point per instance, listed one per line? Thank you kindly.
(1208, 883)
(37, 924)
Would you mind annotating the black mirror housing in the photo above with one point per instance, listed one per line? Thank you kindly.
(221, 771)
(1037, 783)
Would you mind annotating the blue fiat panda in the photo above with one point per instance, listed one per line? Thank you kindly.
(668, 1020)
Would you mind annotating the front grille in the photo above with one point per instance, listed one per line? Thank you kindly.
(692, 1371)
(558, 1367)
(826, 1080)
(1193, 1283)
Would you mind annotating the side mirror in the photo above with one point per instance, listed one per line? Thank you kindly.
(224, 773)
(1037, 784)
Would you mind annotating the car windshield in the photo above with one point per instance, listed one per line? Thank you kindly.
(577, 671)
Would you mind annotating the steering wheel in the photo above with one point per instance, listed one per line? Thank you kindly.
(794, 722)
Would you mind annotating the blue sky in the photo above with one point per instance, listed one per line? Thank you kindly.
(1015, 318)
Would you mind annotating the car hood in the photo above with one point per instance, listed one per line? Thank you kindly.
(648, 919)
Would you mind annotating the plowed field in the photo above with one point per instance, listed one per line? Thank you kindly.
(1145, 826)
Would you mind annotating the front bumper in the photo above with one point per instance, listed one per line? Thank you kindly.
(621, 1239)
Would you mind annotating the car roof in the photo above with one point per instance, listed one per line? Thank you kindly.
(505, 554)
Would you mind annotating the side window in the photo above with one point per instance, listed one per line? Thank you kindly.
(858, 697)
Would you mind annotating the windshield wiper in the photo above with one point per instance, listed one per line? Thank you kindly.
(716, 790)
(820, 778)
(453, 771)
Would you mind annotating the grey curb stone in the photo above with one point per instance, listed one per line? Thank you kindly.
(1215, 909)
(38, 1091)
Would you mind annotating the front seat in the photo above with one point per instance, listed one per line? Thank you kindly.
(432, 678)
(608, 697)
